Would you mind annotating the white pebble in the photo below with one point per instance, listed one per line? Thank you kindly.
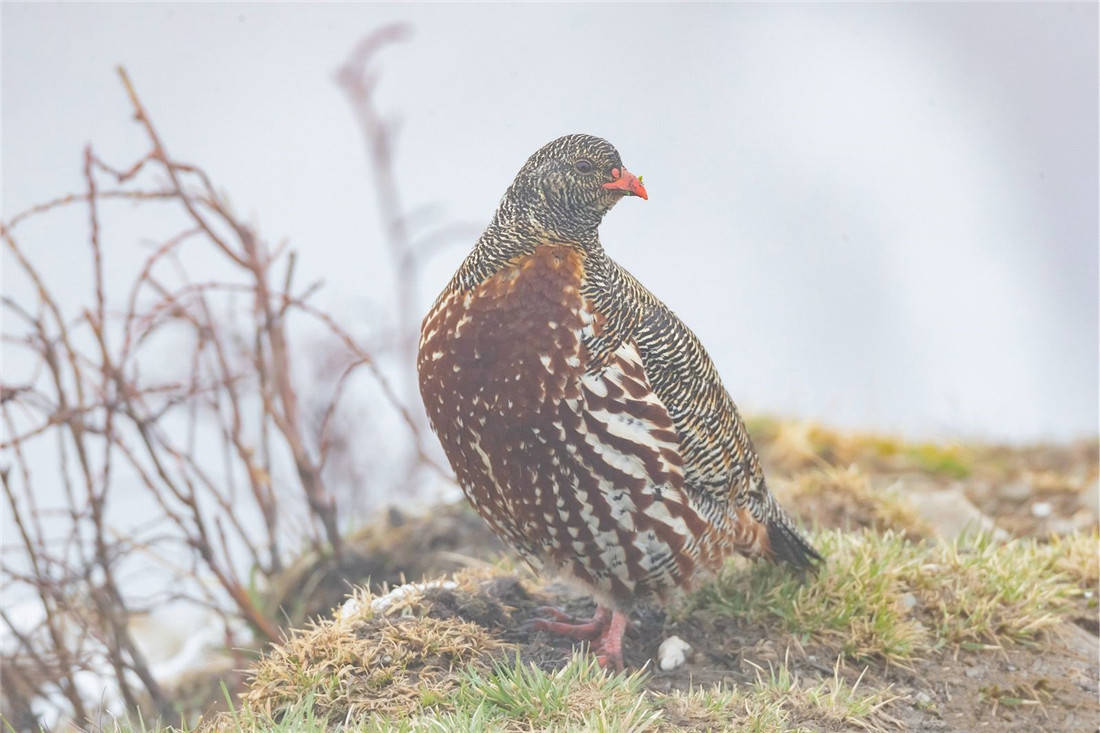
(1041, 509)
(672, 653)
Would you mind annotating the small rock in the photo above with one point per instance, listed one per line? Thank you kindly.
(973, 672)
(951, 514)
(1015, 490)
(923, 698)
(909, 601)
(672, 653)
(1041, 509)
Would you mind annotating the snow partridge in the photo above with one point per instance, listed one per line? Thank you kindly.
(585, 422)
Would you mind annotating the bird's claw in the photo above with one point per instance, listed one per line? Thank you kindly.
(556, 614)
(563, 624)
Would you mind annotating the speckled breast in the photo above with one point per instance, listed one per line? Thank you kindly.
(577, 470)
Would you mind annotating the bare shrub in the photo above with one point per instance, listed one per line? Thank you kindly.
(190, 388)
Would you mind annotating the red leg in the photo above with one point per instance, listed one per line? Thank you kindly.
(566, 625)
(555, 614)
(609, 646)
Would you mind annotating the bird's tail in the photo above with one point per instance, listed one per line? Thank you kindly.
(789, 545)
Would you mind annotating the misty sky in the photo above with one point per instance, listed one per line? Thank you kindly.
(879, 216)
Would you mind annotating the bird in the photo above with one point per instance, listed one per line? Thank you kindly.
(583, 420)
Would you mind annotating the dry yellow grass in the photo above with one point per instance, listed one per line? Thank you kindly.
(362, 661)
(844, 498)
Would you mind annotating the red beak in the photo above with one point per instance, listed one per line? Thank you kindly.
(628, 182)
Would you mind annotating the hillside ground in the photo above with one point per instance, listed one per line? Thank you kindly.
(959, 594)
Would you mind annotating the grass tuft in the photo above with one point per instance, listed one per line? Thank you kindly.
(855, 604)
(1077, 556)
(843, 498)
(881, 597)
(780, 700)
(579, 696)
(362, 662)
(986, 592)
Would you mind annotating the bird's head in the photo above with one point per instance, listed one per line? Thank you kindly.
(568, 185)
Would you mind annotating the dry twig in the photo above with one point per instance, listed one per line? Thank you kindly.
(230, 392)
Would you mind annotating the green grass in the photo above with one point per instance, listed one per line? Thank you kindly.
(580, 696)
(950, 460)
(856, 603)
(302, 717)
(882, 597)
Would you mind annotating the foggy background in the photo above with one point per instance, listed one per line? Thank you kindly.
(881, 217)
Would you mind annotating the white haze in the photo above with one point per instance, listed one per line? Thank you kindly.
(879, 216)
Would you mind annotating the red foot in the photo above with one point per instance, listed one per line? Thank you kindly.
(605, 630)
(565, 625)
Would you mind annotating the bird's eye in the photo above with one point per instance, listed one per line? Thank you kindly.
(583, 166)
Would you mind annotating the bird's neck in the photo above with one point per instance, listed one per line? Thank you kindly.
(514, 233)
